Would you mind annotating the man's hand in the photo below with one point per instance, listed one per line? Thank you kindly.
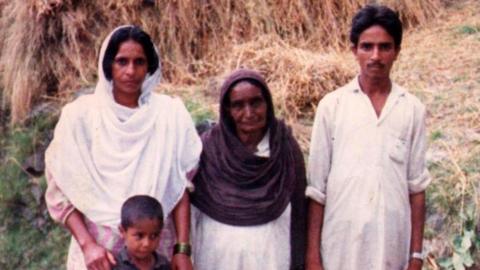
(181, 262)
(415, 264)
(97, 257)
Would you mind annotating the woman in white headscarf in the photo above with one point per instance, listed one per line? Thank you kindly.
(120, 141)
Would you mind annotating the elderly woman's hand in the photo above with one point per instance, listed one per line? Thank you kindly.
(97, 257)
(181, 262)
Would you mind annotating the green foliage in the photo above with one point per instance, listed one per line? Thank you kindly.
(464, 244)
(435, 135)
(452, 207)
(469, 29)
(29, 239)
(198, 111)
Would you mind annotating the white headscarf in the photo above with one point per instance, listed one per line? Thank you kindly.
(102, 152)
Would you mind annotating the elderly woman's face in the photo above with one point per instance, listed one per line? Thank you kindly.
(248, 109)
(129, 68)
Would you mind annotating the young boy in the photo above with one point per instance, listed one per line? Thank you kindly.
(141, 224)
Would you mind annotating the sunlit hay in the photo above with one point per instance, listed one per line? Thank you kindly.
(297, 78)
(414, 12)
(36, 54)
(49, 47)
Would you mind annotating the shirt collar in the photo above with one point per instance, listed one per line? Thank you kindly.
(158, 262)
(354, 87)
(124, 257)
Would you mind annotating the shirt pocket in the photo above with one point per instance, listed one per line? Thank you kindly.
(398, 150)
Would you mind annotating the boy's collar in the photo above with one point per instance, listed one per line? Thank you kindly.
(124, 257)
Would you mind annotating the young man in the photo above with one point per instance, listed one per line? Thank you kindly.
(141, 224)
(367, 172)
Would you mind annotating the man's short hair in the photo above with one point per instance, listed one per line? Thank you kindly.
(127, 33)
(371, 15)
(140, 207)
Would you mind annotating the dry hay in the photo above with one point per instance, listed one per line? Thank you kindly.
(297, 78)
(49, 46)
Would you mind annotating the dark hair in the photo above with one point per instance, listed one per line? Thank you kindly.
(123, 34)
(382, 16)
(140, 207)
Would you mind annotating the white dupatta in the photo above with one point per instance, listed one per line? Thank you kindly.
(102, 153)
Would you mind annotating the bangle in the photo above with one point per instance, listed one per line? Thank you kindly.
(417, 255)
(182, 248)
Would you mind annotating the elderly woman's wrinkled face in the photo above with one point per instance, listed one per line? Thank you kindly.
(129, 68)
(248, 109)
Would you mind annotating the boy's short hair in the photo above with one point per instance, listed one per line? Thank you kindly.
(371, 15)
(140, 207)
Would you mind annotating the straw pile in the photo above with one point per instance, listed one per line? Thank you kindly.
(49, 47)
(298, 78)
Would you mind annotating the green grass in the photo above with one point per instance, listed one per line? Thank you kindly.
(469, 29)
(452, 209)
(435, 135)
(29, 239)
(198, 111)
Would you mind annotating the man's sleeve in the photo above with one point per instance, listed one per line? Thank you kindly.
(320, 153)
(418, 176)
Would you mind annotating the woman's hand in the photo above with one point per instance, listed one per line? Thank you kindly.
(313, 259)
(313, 264)
(181, 262)
(97, 257)
(181, 217)
(414, 264)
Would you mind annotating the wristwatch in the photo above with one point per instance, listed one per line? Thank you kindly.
(417, 255)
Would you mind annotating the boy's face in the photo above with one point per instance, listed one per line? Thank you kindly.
(142, 238)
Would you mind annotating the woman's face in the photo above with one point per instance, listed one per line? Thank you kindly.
(248, 109)
(129, 68)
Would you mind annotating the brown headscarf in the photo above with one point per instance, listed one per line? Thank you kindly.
(236, 187)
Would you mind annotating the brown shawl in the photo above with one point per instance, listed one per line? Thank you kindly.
(236, 187)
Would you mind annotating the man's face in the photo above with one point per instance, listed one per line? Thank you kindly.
(375, 52)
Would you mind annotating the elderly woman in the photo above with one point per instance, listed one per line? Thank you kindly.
(120, 141)
(249, 188)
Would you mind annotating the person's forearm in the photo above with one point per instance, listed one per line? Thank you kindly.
(76, 225)
(417, 205)
(181, 217)
(315, 224)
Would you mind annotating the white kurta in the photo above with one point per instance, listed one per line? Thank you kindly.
(218, 245)
(363, 168)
